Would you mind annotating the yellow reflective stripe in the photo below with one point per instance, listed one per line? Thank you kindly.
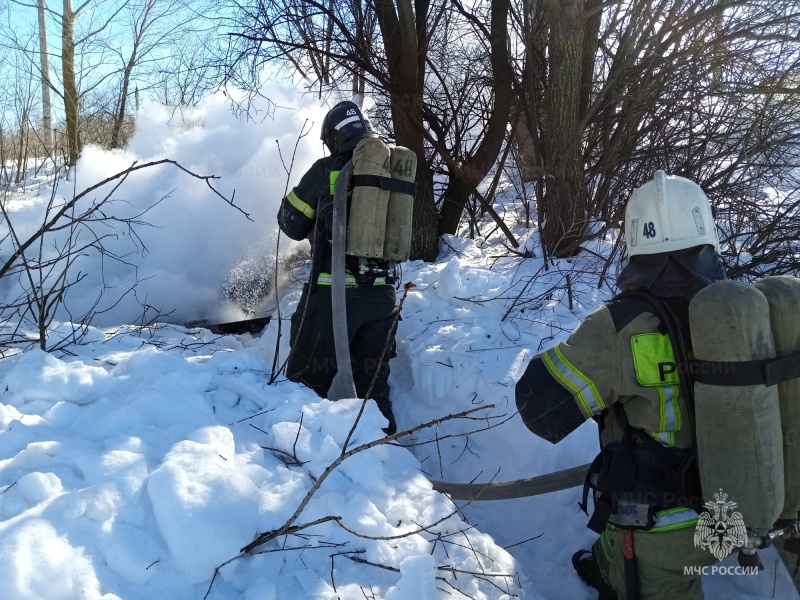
(332, 180)
(327, 279)
(677, 409)
(674, 518)
(669, 413)
(606, 547)
(304, 208)
(583, 388)
(665, 438)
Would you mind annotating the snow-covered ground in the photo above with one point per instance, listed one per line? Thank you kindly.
(142, 459)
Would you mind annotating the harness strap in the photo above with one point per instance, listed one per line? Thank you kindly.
(595, 468)
(669, 479)
(317, 250)
(672, 325)
(385, 183)
(751, 372)
(616, 471)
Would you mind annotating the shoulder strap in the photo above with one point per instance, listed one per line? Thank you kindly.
(672, 326)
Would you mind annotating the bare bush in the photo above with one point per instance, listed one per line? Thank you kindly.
(703, 89)
(41, 265)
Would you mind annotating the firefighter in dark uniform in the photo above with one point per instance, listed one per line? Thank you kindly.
(618, 367)
(307, 212)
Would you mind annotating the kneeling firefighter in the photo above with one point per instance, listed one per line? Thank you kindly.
(618, 368)
(370, 277)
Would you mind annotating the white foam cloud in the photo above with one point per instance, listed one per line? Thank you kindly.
(194, 239)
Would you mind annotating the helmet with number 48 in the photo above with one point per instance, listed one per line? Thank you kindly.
(344, 126)
(666, 214)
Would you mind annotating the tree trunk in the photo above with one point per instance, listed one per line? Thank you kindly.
(23, 148)
(425, 238)
(119, 117)
(526, 157)
(407, 117)
(3, 168)
(404, 40)
(591, 33)
(70, 88)
(47, 118)
(140, 29)
(466, 178)
(565, 197)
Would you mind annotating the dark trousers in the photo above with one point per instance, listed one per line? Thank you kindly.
(370, 316)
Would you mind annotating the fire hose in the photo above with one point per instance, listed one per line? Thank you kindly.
(518, 488)
(342, 385)
(572, 477)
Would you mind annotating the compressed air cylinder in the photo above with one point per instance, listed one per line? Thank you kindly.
(739, 441)
(783, 294)
(399, 217)
(366, 224)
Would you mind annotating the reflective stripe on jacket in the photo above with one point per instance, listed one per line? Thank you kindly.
(310, 199)
(349, 279)
(616, 355)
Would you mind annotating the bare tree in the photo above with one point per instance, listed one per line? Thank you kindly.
(332, 43)
(69, 16)
(68, 77)
(673, 85)
(565, 200)
(20, 107)
(160, 34)
(187, 76)
(47, 116)
(466, 173)
(82, 70)
(405, 34)
(111, 50)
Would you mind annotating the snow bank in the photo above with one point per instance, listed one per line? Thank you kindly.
(138, 464)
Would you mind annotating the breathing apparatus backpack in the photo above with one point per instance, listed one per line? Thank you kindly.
(381, 209)
(742, 385)
(746, 344)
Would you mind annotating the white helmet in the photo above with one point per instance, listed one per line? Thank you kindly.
(668, 213)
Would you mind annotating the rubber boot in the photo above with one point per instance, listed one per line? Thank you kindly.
(385, 406)
(589, 571)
